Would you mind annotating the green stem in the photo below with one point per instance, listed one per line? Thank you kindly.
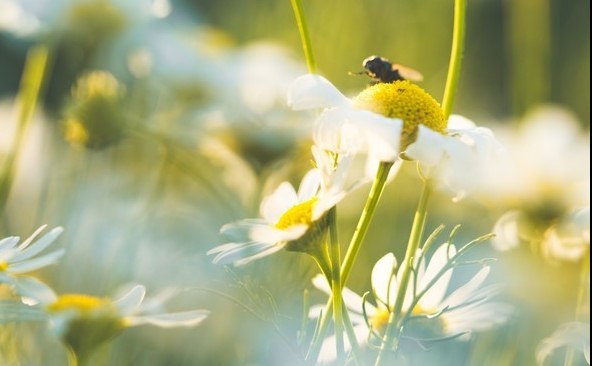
(456, 54)
(412, 246)
(28, 95)
(582, 305)
(352, 251)
(304, 37)
(365, 219)
(336, 286)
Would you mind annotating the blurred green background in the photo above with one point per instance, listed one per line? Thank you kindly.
(196, 154)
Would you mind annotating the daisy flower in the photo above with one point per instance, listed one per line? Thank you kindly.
(547, 193)
(574, 334)
(389, 118)
(295, 220)
(465, 310)
(83, 322)
(18, 259)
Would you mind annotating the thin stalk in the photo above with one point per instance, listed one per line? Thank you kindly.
(28, 95)
(352, 251)
(335, 256)
(412, 246)
(304, 37)
(365, 219)
(582, 306)
(456, 55)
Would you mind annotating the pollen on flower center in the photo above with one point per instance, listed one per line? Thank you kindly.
(82, 303)
(406, 101)
(3, 266)
(300, 214)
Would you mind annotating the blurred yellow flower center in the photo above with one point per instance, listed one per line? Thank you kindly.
(300, 214)
(98, 84)
(82, 303)
(379, 320)
(3, 266)
(75, 132)
(406, 101)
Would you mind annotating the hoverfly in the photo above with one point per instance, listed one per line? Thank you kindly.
(382, 70)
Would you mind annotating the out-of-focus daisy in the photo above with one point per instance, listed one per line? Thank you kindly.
(295, 220)
(83, 322)
(574, 334)
(389, 118)
(545, 191)
(465, 310)
(18, 259)
(34, 17)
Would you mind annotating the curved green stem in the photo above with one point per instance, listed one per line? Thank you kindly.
(28, 95)
(304, 37)
(456, 54)
(391, 333)
(352, 252)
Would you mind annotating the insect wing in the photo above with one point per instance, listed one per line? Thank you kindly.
(408, 73)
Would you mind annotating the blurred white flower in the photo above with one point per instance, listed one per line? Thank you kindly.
(289, 218)
(570, 239)
(574, 334)
(33, 17)
(18, 259)
(545, 168)
(465, 310)
(83, 322)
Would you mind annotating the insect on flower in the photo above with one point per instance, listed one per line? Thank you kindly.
(382, 70)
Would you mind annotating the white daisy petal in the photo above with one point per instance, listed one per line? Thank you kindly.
(458, 122)
(242, 251)
(384, 280)
(314, 91)
(436, 293)
(33, 288)
(309, 185)
(464, 293)
(8, 243)
(270, 234)
(182, 319)
(332, 133)
(239, 230)
(264, 253)
(383, 134)
(506, 230)
(32, 237)
(129, 302)
(282, 199)
(428, 148)
(36, 263)
(45, 241)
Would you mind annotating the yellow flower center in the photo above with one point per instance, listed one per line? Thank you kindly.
(300, 214)
(82, 303)
(94, 321)
(379, 320)
(406, 101)
(75, 132)
(3, 266)
(98, 84)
